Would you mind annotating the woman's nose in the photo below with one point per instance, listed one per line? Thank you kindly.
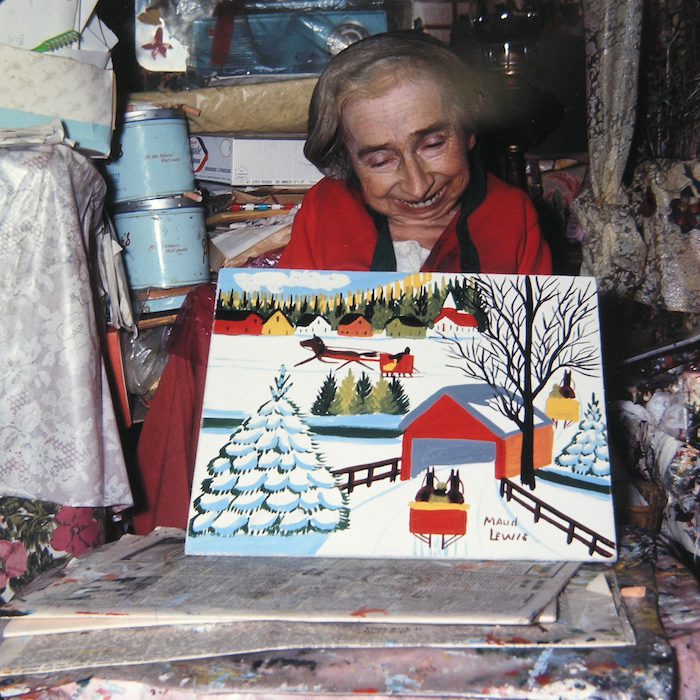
(416, 179)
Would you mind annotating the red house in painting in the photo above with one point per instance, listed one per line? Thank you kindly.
(238, 323)
(459, 425)
(452, 322)
(355, 325)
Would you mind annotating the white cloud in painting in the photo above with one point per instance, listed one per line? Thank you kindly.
(275, 281)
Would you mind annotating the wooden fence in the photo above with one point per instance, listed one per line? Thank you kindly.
(367, 474)
(573, 529)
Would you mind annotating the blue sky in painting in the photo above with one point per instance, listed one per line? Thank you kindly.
(302, 282)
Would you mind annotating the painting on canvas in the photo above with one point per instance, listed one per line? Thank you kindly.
(430, 415)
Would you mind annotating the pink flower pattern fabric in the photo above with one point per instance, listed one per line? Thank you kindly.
(13, 561)
(76, 532)
(35, 535)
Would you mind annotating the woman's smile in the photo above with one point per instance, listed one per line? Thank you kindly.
(425, 203)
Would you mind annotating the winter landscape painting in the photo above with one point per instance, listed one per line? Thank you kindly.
(430, 415)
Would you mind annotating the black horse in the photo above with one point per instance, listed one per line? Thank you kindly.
(455, 490)
(428, 488)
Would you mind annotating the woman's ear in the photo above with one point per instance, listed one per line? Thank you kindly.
(471, 140)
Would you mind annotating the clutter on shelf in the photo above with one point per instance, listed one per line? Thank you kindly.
(224, 41)
(68, 42)
(659, 441)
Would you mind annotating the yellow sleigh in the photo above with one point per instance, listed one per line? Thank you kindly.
(561, 409)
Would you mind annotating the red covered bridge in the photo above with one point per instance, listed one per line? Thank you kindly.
(458, 425)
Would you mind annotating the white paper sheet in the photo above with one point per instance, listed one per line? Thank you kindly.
(25, 24)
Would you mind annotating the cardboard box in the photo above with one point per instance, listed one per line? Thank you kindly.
(38, 88)
(252, 159)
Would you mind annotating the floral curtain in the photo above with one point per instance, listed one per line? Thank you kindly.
(612, 251)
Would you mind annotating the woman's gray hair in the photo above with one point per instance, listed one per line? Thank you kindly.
(371, 66)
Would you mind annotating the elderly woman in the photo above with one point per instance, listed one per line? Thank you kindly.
(392, 126)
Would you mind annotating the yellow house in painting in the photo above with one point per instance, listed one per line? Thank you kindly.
(277, 324)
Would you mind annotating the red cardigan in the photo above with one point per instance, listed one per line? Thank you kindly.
(334, 231)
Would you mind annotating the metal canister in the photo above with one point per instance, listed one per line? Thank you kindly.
(151, 157)
(164, 242)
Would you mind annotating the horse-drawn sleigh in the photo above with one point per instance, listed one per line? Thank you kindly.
(439, 510)
(390, 365)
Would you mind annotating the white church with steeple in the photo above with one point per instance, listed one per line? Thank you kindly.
(452, 323)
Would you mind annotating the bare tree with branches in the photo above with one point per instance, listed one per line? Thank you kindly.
(536, 327)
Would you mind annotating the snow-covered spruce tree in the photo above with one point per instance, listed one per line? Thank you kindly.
(269, 478)
(587, 453)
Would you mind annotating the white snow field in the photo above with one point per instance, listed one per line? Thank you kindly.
(243, 368)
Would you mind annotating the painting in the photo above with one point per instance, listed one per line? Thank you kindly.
(385, 414)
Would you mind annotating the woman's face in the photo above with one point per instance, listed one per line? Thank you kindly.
(409, 156)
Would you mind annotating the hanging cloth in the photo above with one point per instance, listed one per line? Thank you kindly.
(612, 250)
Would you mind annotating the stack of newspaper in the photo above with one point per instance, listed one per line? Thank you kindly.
(119, 604)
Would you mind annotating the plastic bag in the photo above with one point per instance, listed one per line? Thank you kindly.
(145, 356)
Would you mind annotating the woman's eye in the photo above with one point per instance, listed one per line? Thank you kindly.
(379, 161)
(435, 143)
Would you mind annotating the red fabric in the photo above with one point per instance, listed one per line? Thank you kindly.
(333, 231)
(168, 441)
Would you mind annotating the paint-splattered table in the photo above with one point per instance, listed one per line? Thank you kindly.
(644, 670)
